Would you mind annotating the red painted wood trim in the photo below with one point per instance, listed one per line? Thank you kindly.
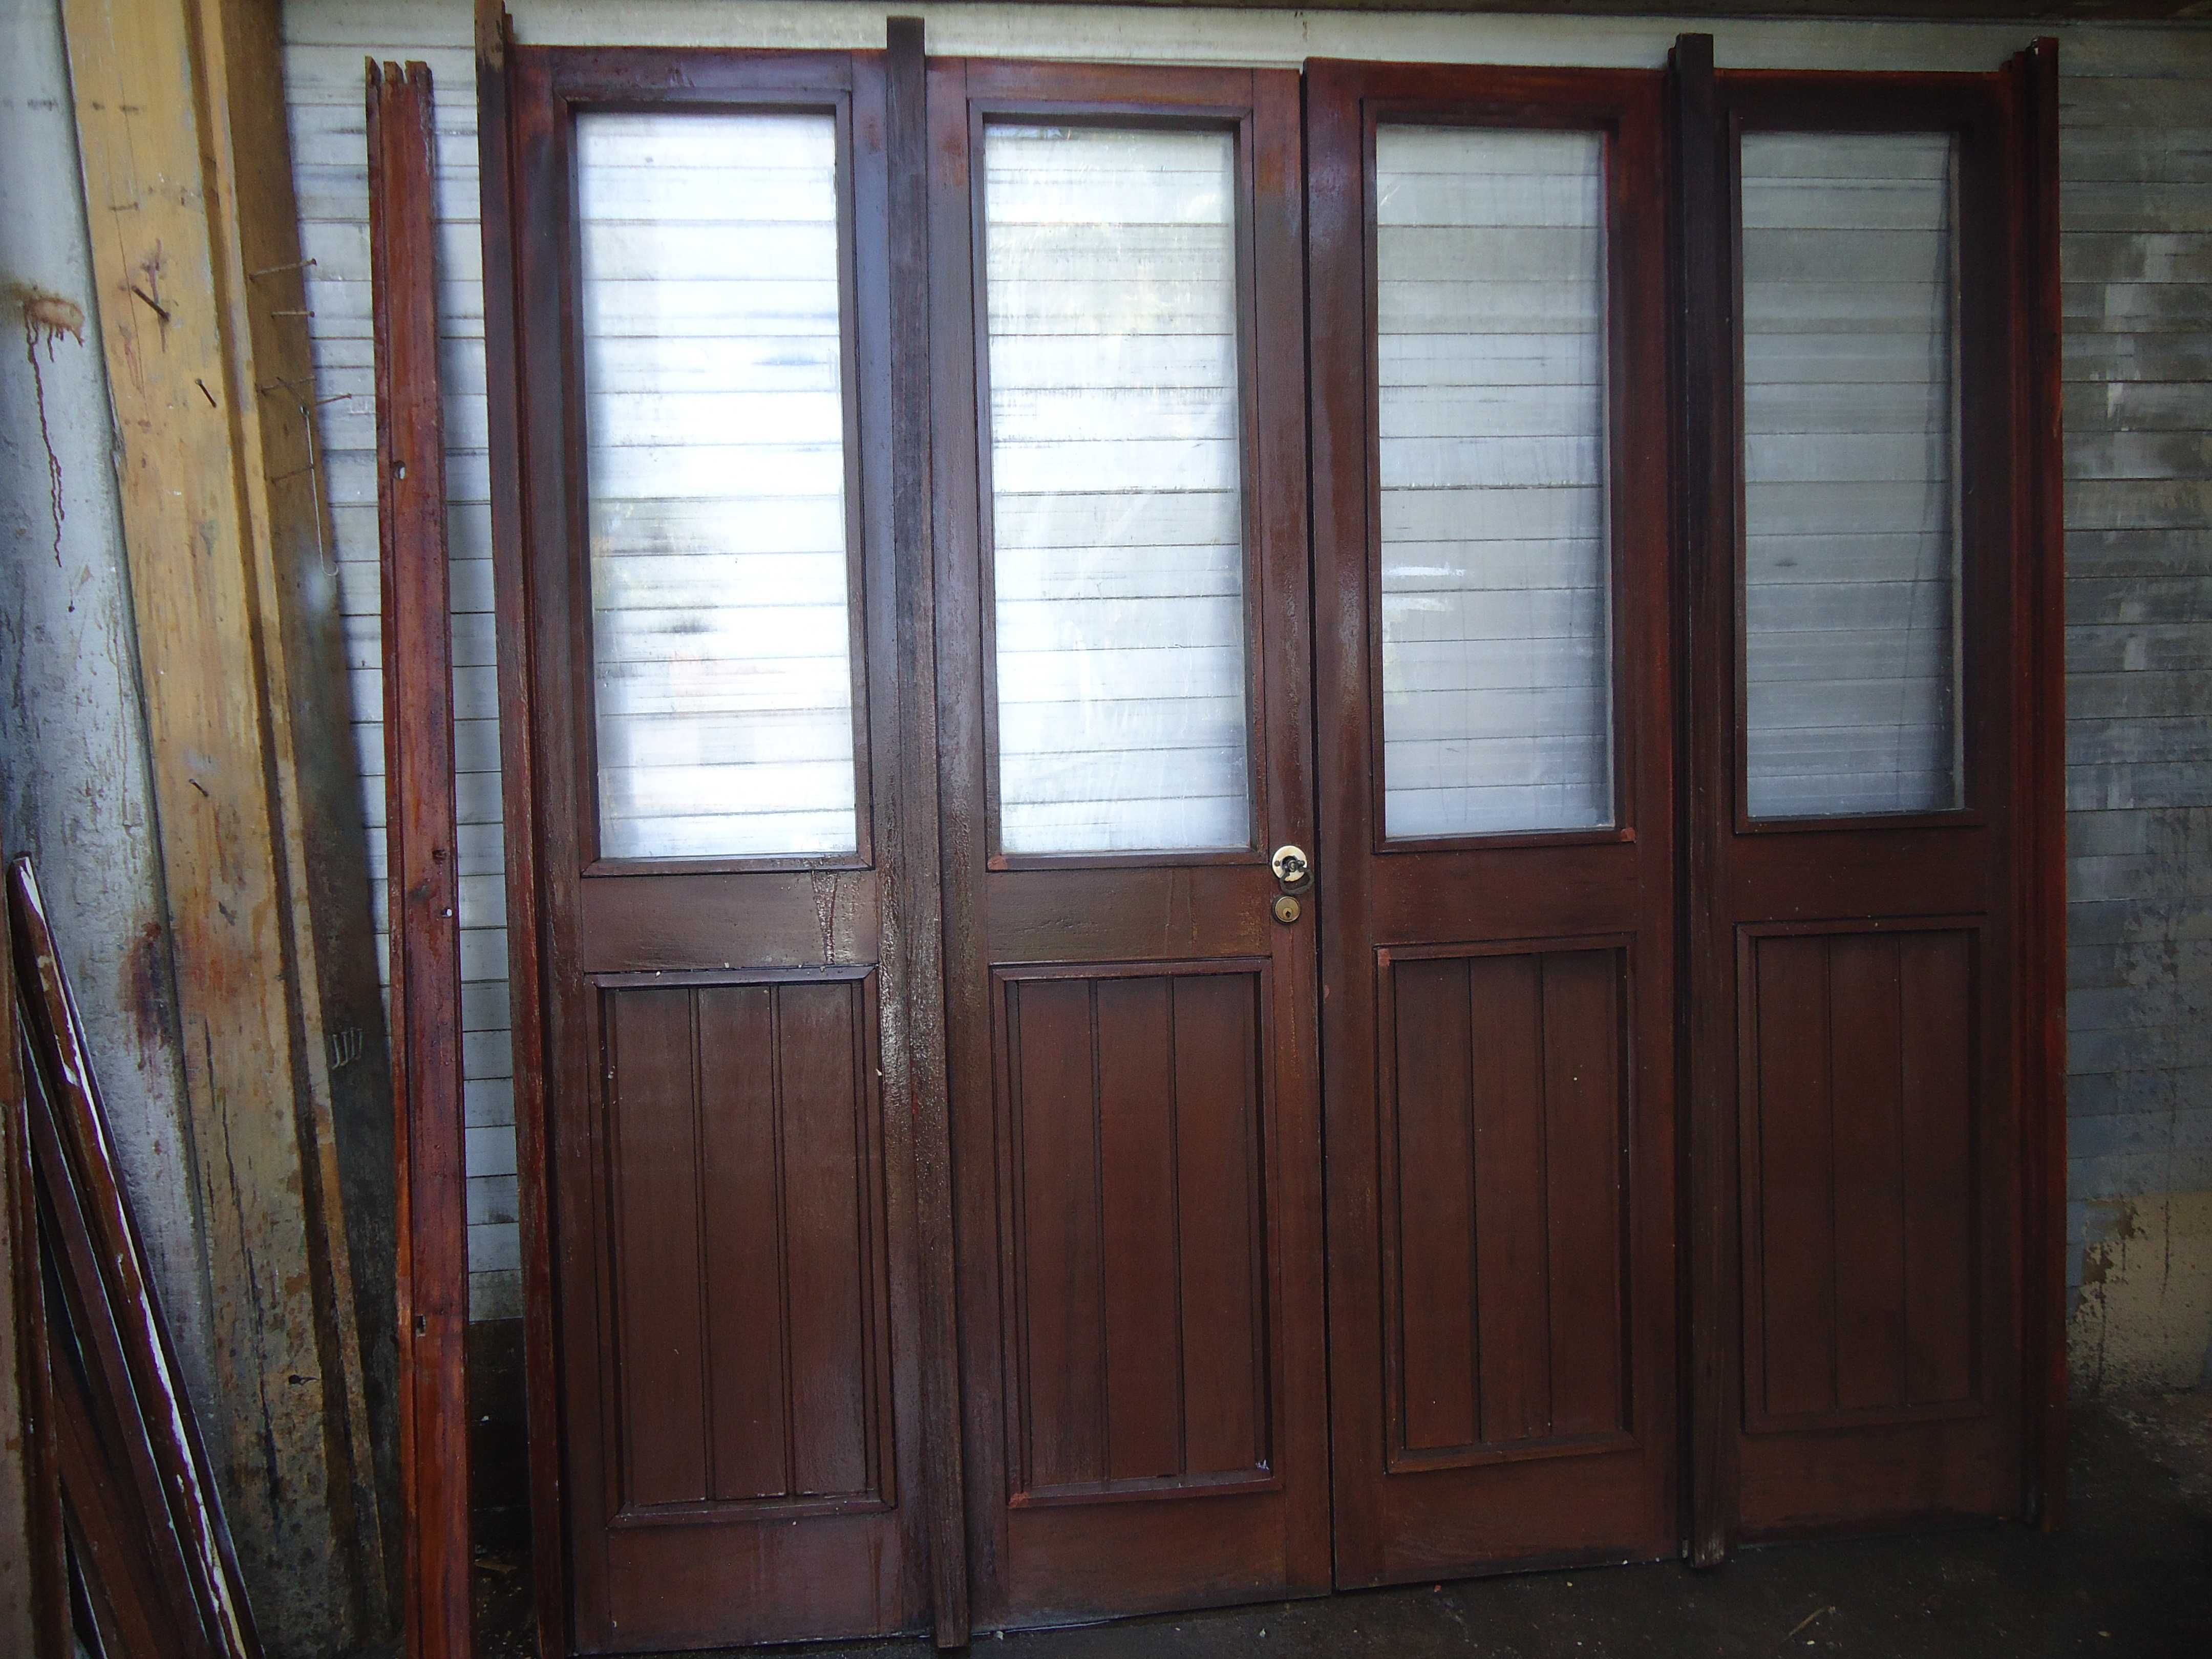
(419, 817)
(504, 385)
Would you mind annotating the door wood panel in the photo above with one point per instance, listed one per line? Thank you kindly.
(1131, 1039)
(743, 1140)
(1862, 1287)
(1136, 1238)
(730, 1127)
(1498, 999)
(1503, 1100)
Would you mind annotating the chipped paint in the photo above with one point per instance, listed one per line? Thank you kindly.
(75, 792)
(46, 317)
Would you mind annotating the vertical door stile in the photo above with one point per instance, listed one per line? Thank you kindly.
(1704, 506)
(921, 918)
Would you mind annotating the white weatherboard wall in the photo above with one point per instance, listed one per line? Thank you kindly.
(2136, 156)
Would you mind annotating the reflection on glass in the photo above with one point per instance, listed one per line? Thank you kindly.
(721, 652)
(1116, 458)
(1850, 474)
(1496, 659)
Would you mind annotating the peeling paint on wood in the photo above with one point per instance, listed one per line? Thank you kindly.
(227, 680)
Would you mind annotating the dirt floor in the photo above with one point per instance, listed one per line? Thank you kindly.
(2130, 1577)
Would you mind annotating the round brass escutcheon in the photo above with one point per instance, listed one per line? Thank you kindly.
(1286, 908)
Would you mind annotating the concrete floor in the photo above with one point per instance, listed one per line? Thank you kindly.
(2130, 1577)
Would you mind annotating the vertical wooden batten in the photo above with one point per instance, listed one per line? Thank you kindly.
(2040, 572)
(179, 117)
(421, 815)
(921, 1009)
(1704, 517)
(505, 400)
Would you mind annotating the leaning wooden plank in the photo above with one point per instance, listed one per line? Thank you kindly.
(34, 1583)
(113, 1300)
(195, 260)
(420, 815)
(495, 40)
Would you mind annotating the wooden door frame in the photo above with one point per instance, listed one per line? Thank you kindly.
(1346, 100)
(524, 494)
(2022, 582)
(966, 94)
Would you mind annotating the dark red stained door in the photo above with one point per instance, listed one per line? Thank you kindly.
(1122, 699)
(714, 725)
(1495, 699)
(1854, 1037)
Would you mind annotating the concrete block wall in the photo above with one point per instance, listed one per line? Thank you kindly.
(2135, 166)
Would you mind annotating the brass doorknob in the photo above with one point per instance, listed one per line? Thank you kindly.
(1292, 868)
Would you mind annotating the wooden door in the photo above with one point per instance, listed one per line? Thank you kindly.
(1858, 617)
(1122, 640)
(1498, 875)
(702, 319)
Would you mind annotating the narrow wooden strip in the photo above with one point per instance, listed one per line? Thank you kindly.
(2041, 775)
(1512, 1286)
(747, 1407)
(1137, 1182)
(1869, 1176)
(420, 835)
(654, 1176)
(830, 1238)
(919, 995)
(1062, 1410)
(1432, 1222)
(504, 389)
(1701, 497)
(1215, 1019)
(1791, 1034)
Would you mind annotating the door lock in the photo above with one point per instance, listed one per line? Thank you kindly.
(1292, 869)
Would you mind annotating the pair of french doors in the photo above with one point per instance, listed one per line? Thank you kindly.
(1161, 606)
(1255, 848)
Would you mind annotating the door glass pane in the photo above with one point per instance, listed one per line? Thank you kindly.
(1496, 654)
(712, 370)
(1118, 563)
(1851, 610)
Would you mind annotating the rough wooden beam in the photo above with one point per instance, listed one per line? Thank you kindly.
(419, 817)
(178, 107)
